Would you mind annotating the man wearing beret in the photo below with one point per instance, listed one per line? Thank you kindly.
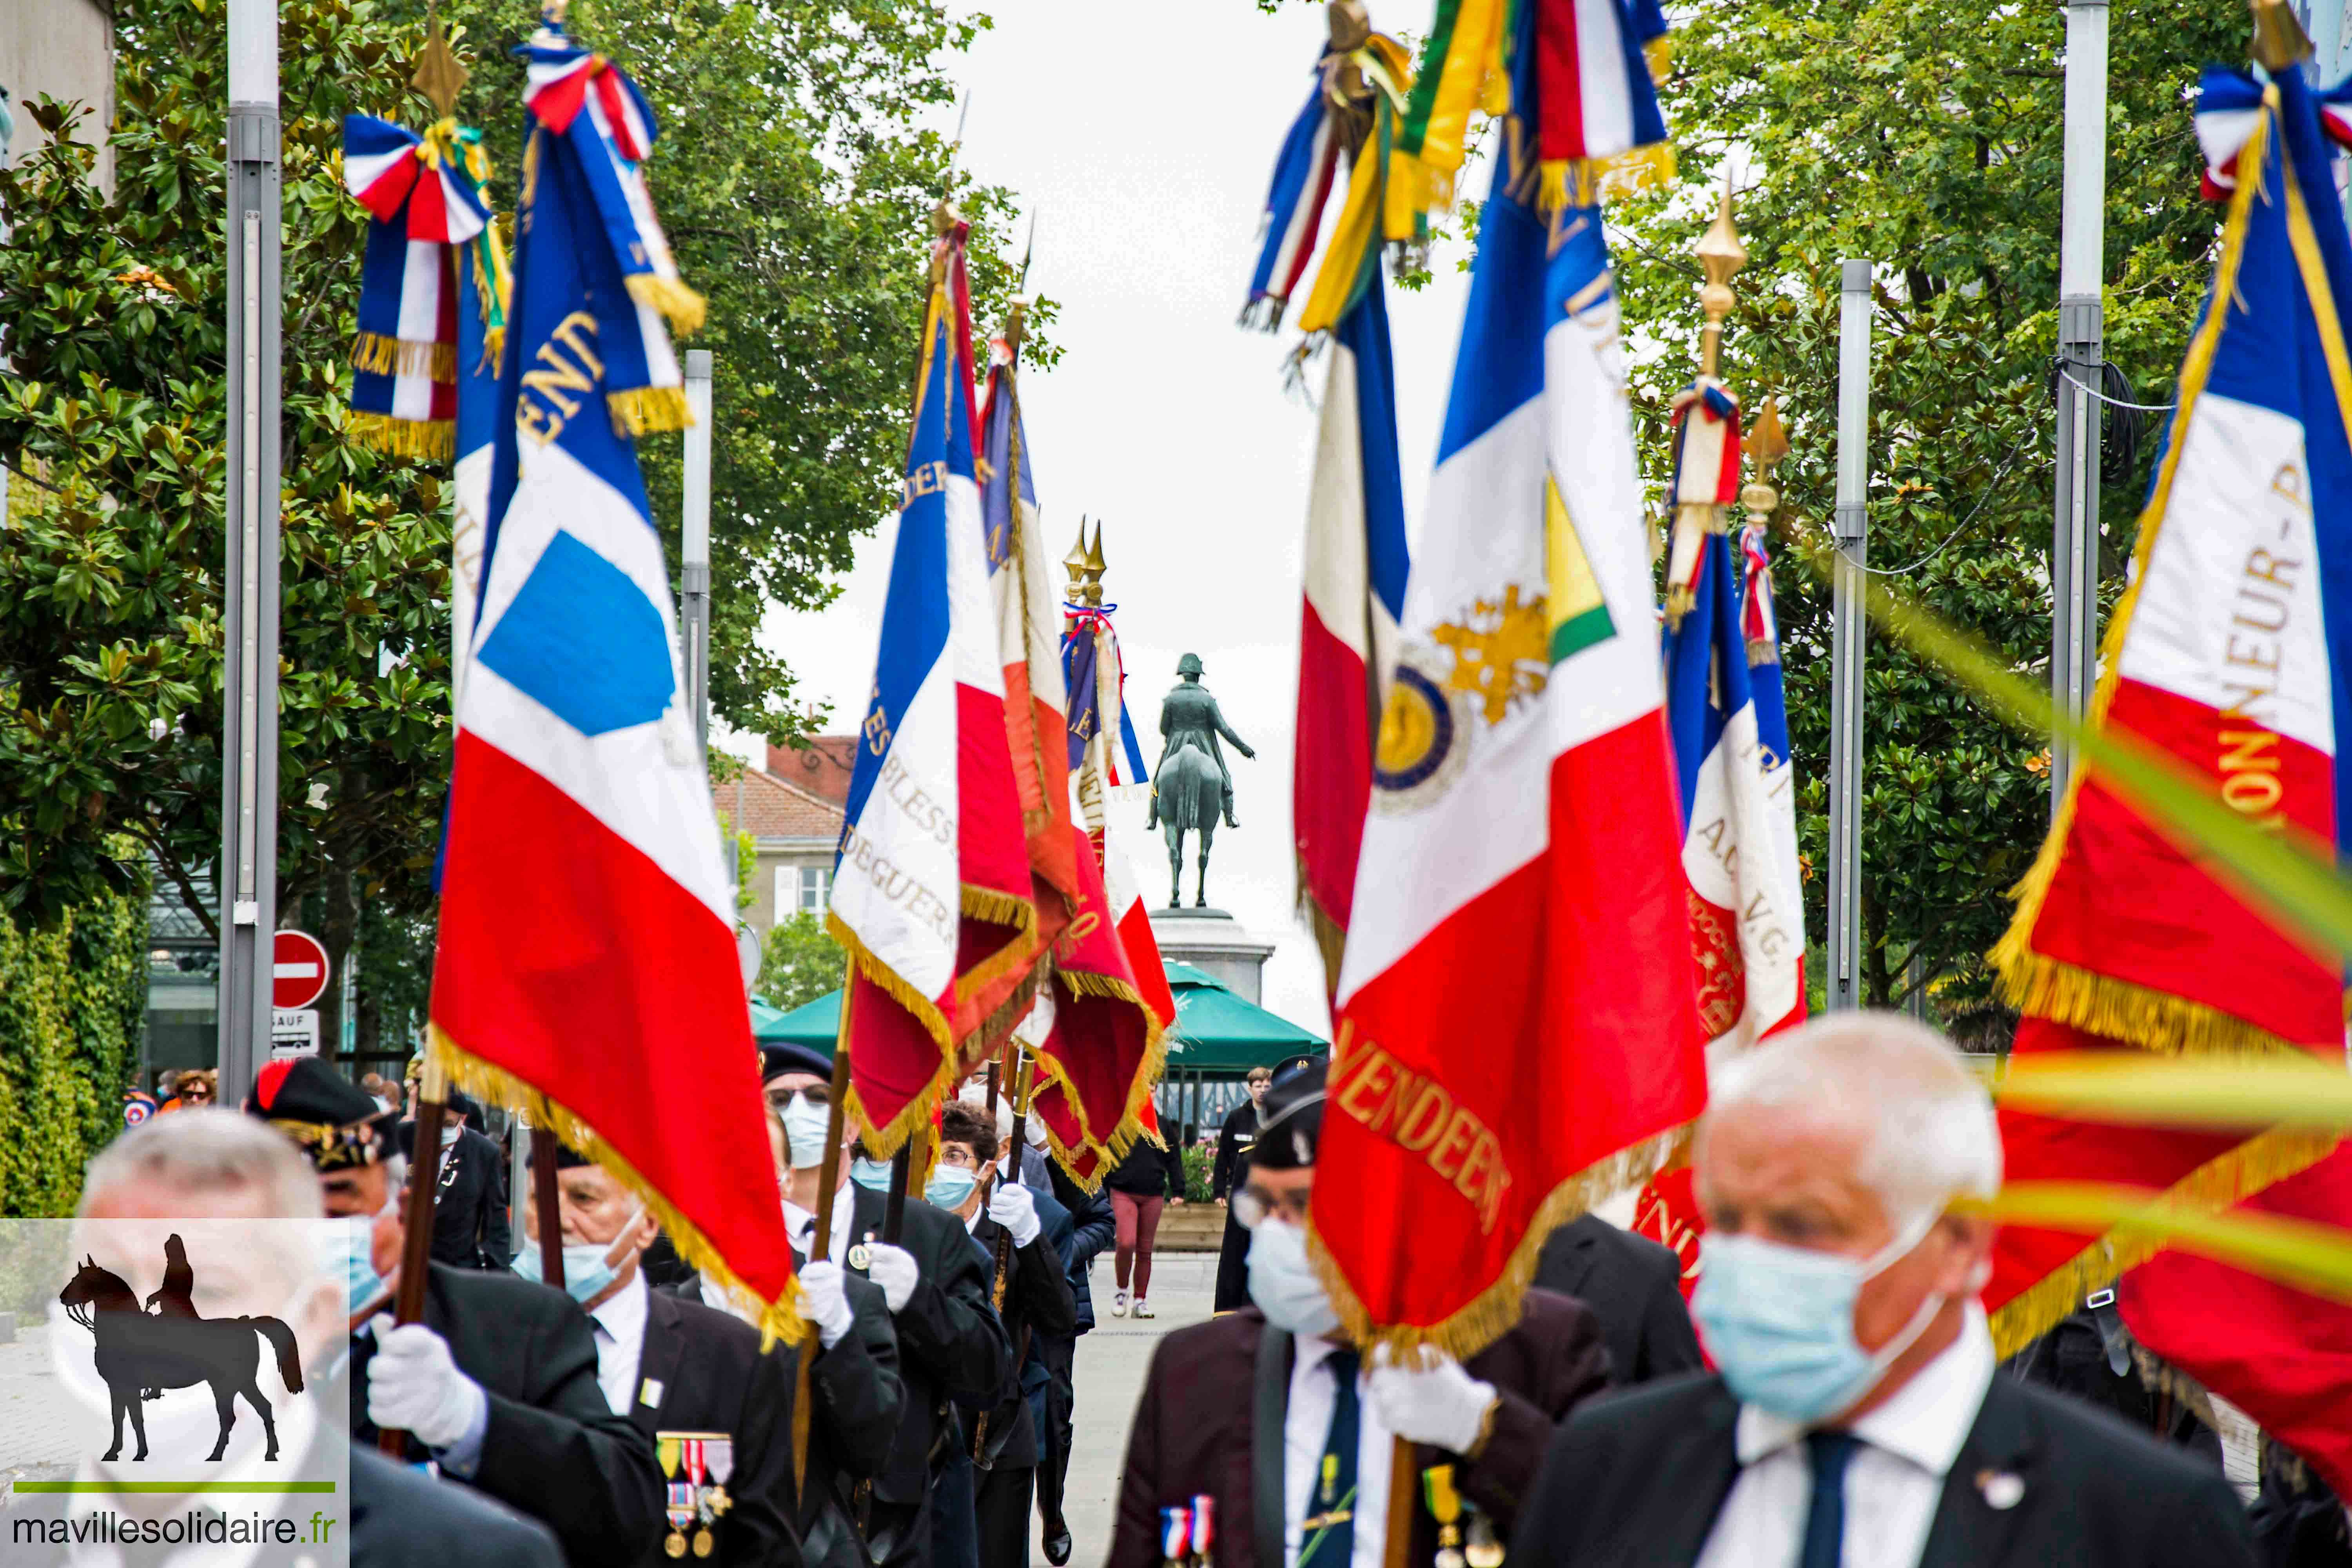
(497, 1383)
(1289, 1430)
(469, 1205)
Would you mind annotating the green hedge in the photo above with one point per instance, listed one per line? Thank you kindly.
(72, 996)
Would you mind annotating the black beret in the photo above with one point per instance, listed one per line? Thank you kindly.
(778, 1059)
(464, 1105)
(337, 1124)
(1290, 1122)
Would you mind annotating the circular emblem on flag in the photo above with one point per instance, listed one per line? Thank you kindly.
(1421, 750)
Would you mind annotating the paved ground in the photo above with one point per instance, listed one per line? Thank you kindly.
(1111, 1363)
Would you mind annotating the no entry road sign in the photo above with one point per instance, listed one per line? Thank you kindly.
(298, 970)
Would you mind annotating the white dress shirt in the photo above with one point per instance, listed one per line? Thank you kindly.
(800, 1223)
(1305, 1428)
(1891, 1484)
(619, 1321)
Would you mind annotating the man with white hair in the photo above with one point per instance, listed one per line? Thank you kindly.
(1856, 1418)
(210, 1169)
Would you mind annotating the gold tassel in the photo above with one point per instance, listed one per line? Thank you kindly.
(644, 410)
(1494, 1311)
(1763, 651)
(380, 355)
(423, 440)
(779, 1320)
(1679, 603)
(2222, 1182)
(679, 305)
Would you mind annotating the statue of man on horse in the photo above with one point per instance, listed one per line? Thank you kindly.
(1191, 788)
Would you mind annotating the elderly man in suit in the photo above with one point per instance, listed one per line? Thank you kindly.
(498, 1384)
(1290, 1431)
(1857, 1418)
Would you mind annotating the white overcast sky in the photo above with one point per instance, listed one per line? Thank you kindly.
(1163, 418)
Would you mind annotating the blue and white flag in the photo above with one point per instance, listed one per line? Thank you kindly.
(1738, 795)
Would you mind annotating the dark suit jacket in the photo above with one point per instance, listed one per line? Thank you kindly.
(1211, 1421)
(712, 1378)
(1236, 1139)
(554, 1449)
(403, 1517)
(1639, 1477)
(1634, 1287)
(1093, 1227)
(856, 1401)
(469, 1209)
(1037, 1304)
(950, 1341)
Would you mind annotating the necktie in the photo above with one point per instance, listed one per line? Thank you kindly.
(1830, 1452)
(1327, 1535)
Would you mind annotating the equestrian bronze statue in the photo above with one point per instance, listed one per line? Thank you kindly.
(1191, 788)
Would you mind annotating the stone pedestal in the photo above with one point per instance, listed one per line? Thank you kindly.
(1214, 941)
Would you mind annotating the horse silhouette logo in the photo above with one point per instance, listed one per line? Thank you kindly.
(140, 1352)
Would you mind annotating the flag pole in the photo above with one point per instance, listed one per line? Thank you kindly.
(417, 1215)
(821, 1243)
(1021, 1080)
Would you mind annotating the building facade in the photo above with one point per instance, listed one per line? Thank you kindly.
(794, 808)
(64, 48)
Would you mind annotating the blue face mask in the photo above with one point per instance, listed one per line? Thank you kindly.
(588, 1265)
(874, 1175)
(1779, 1322)
(1283, 1282)
(362, 1283)
(949, 1186)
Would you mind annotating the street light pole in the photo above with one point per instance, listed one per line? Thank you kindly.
(694, 555)
(248, 874)
(2075, 542)
(1847, 621)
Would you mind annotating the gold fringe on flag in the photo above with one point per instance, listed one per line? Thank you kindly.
(1130, 1130)
(380, 355)
(2222, 1182)
(1581, 182)
(494, 1085)
(1492, 1313)
(1330, 936)
(645, 410)
(423, 439)
(679, 305)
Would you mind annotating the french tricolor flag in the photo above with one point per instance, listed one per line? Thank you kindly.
(933, 894)
(1357, 561)
(585, 968)
(1738, 796)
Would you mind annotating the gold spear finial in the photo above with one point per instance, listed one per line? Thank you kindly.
(2279, 38)
(1085, 567)
(1766, 444)
(440, 74)
(1721, 256)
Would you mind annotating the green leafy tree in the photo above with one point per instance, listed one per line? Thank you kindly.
(1884, 130)
(798, 964)
(797, 188)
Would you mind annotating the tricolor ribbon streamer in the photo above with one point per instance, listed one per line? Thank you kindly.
(1759, 621)
(1598, 129)
(432, 250)
(608, 127)
(2229, 106)
(1706, 481)
(1351, 113)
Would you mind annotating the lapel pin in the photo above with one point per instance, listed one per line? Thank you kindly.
(2002, 1491)
(861, 1257)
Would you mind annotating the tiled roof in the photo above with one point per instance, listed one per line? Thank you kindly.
(777, 809)
(823, 770)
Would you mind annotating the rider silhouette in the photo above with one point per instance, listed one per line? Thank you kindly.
(178, 1292)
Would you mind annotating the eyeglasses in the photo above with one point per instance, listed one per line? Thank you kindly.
(1252, 1208)
(815, 1094)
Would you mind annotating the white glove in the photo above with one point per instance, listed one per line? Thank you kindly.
(1009, 1205)
(1444, 1407)
(824, 1302)
(414, 1385)
(893, 1269)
